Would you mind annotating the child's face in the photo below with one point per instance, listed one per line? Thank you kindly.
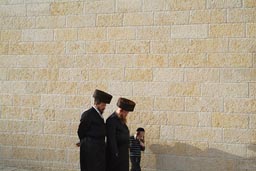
(141, 135)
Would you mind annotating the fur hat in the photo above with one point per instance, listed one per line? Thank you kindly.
(126, 104)
(102, 96)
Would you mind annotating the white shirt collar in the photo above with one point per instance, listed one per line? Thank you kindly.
(98, 112)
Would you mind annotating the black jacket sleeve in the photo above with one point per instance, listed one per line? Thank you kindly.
(84, 125)
(111, 137)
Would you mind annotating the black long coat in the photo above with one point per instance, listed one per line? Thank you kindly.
(117, 144)
(91, 132)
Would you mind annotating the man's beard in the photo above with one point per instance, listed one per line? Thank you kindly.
(123, 119)
(100, 110)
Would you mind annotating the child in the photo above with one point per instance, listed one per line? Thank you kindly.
(136, 146)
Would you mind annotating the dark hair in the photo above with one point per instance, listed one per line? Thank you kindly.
(140, 130)
(97, 101)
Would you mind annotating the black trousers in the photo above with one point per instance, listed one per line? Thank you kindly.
(135, 160)
(92, 155)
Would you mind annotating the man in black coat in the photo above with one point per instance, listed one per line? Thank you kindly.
(91, 132)
(118, 137)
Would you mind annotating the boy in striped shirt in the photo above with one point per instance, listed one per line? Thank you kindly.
(136, 146)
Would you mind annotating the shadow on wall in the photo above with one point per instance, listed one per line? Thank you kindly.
(186, 157)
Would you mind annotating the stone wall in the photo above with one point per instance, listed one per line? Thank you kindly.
(188, 64)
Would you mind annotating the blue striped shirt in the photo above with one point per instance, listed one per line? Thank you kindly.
(135, 147)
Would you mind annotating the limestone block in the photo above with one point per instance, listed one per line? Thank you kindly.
(150, 60)
(97, 47)
(3, 73)
(53, 155)
(199, 134)
(46, 74)
(153, 118)
(237, 75)
(171, 17)
(34, 127)
(240, 136)
(227, 30)
(50, 22)
(22, 48)
(106, 20)
(251, 30)
(204, 104)
(73, 156)
(26, 153)
(143, 103)
(154, 5)
(49, 48)
(188, 60)
(62, 87)
(252, 90)
(208, 45)
(224, 4)
(4, 48)
(138, 74)
(75, 101)
(38, 9)
(37, 35)
(237, 150)
(116, 60)
(131, 6)
(172, 46)
(169, 104)
(11, 35)
(6, 139)
(225, 90)
(249, 3)
(6, 99)
(169, 75)
(75, 47)
(223, 120)
(185, 5)
(52, 101)
(107, 6)
(230, 60)
(182, 119)
(88, 87)
(189, 31)
(21, 74)
(202, 75)
(96, 33)
(121, 88)
(66, 74)
(153, 33)
(59, 61)
(56, 127)
(132, 47)
(205, 119)
(13, 10)
(114, 74)
(65, 34)
(243, 105)
(252, 121)
(138, 19)
(208, 16)
(121, 33)
(236, 15)
(167, 132)
(81, 21)
(67, 115)
(66, 8)
(184, 89)
(150, 89)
